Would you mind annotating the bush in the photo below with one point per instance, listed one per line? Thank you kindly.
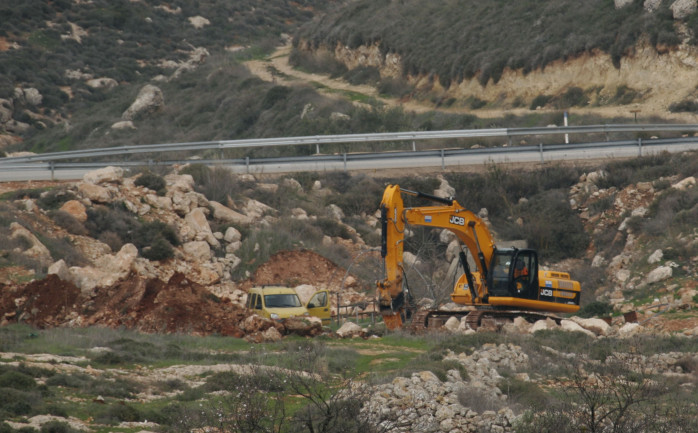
(595, 309)
(16, 380)
(685, 106)
(152, 181)
(68, 222)
(540, 101)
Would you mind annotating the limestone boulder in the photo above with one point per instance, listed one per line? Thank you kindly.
(232, 235)
(655, 257)
(597, 326)
(104, 175)
(224, 213)
(571, 326)
(682, 9)
(197, 222)
(76, 209)
(60, 268)
(630, 329)
(179, 182)
(452, 324)
(685, 184)
(335, 212)
(149, 100)
(36, 249)
(349, 329)
(199, 251)
(94, 193)
(659, 274)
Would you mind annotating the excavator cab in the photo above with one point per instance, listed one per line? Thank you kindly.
(513, 272)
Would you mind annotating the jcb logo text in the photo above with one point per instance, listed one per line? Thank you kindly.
(459, 221)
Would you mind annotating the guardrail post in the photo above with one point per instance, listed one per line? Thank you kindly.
(414, 146)
(639, 146)
(317, 148)
(540, 147)
(443, 160)
(345, 161)
(52, 166)
(247, 164)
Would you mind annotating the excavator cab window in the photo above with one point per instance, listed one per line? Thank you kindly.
(513, 273)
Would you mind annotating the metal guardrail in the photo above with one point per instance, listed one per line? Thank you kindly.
(347, 139)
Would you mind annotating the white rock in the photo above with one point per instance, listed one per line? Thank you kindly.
(232, 235)
(196, 220)
(452, 324)
(685, 184)
(652, 5)
(571, 326)
(36, 250)
(597, 326)
(149, 100)
(199, 251)
(335, 212)
(224, 213)
(629, 329)
(123, 124)
(599, 261)
(540, 325)
(349, 329)
(104, 175)
(102, 83)
(199, 22)
(659, 274)
(60, 269)
(621, 3)
(655, 257)
(682, 9)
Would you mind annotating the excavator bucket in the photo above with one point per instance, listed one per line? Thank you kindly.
(392, 321)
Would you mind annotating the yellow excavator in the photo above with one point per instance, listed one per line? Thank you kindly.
(505, 284)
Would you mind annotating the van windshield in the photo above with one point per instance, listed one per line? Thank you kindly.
(282, 301)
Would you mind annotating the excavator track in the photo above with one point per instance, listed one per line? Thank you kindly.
(486, 318)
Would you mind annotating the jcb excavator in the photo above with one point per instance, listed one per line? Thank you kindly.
(505, 284)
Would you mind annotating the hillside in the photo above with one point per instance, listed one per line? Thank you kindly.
(600, 56)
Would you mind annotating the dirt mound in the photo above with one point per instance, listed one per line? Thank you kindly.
(292, 268)
(175, 306)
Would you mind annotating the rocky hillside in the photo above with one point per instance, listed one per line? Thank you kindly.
(603, 56)
(114, 247)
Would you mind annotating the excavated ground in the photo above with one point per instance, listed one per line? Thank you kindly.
(154, 306)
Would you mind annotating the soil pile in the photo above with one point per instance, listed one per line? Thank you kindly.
(147, 305)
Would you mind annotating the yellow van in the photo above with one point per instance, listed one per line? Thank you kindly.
(279, 302)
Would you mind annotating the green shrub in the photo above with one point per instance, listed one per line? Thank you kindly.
(685, 106)
(68, 222)
(540, 101)
(595, 309)
(54, 198)
(152, 181)
(117, 413)
(57, 427)
(16, 380)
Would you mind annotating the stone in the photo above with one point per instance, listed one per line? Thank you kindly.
(335, 212)
(36, 249)
(571, 326)
(540, 325)
(124, 124)
(120, 264)
(630, 329)
(149, 100)
(622, 3)
(102, 83)
(256, 209)
(232, 235)
(652, 5)
(199, 22)
(32, 96)
(598, 261)
(271, 335)
(60, 269)
(179, 182)
(224, 213)
(659, 274)
(197, 222)
(6, 110)
(682, 9)
(410, 259)
(200, 251)
(685, 184)
(597, 326)
(104, 175)
(452, 324)
(349, 329)
(75, 209)
(655, 257)
(292, 184)
(94, 193)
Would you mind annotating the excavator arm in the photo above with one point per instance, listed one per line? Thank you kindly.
(470, 230)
